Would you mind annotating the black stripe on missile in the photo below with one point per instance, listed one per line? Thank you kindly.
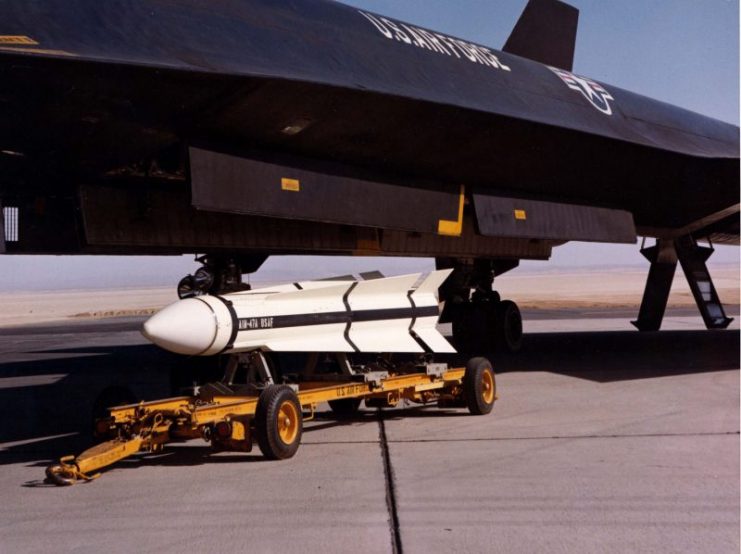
(299, 287)
(349, 315)
(235, 323)
(327, 318)
(414, 335)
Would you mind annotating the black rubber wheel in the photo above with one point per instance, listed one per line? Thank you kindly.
(471, 327)
(345, 407)
(187, 288)
(508, 327)
(278, 422)
(479, 386)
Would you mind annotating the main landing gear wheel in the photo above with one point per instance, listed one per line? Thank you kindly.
(483, 326)
(278, 422)
(471, 327)
(508, 326)
(479, 386)
(345, 407)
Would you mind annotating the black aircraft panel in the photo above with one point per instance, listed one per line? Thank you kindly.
(323, 42)
(498, 216)
(296, 189)
(91, 91)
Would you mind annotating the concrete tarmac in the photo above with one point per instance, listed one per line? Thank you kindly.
(609, 441)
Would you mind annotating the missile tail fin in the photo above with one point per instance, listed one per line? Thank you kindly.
(388, 285)
(432, 337)
(425, 328)
(426, 293)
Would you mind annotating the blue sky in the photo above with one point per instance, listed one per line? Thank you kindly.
(685, 52)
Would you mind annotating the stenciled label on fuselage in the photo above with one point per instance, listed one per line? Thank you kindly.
(435, 42)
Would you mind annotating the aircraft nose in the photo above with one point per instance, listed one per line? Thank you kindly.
(186, 327)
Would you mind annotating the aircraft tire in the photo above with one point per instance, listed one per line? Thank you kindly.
(344, 407)
(508, 327)
(471, 328)
(278, 422)
(479, 386)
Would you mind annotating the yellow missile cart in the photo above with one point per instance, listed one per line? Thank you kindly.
(232, 415)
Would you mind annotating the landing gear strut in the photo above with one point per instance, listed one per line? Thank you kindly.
(481, 320)
(692, 257)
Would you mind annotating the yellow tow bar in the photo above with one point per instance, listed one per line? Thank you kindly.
(72, 469)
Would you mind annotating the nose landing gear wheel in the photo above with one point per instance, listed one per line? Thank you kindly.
(278, 422)
(479, 386)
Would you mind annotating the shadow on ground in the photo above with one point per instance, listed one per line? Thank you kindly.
(626, 355)
(52, 416)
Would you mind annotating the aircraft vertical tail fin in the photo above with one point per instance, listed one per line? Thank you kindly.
(546, 33)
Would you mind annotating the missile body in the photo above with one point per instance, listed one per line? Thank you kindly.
(381, 315)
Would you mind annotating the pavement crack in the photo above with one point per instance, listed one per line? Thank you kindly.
(388, 473)
(573, 437)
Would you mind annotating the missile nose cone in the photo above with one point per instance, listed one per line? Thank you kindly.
(186, 327)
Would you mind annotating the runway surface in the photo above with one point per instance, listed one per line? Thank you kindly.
(603, 439)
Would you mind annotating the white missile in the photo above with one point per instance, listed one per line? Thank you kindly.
(380, 315)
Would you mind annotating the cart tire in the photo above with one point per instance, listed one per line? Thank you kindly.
(278, 422)
(479, 386)
(345, 407)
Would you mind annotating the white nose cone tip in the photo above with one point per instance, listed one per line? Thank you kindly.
(193, 327)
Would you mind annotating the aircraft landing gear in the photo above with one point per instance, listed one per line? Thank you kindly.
(481, 320)
(486, 326)
(219, 275)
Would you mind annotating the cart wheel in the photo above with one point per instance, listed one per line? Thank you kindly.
(479, 386)
(345, 407)
(278, 422)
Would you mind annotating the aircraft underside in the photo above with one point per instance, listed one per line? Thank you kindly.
(371, 145)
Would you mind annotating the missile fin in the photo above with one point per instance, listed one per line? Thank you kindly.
(429, 287)
(333, 289)
(382, 288)
(426, 329)
(310, 285)
(295, 287)
(371, 275)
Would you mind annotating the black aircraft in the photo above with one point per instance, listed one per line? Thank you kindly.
(238, 129)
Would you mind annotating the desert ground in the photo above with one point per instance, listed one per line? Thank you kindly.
(544, 290)
(603, 439)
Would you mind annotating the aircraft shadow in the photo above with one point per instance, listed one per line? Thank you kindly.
(625, 355)
(38, 408)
